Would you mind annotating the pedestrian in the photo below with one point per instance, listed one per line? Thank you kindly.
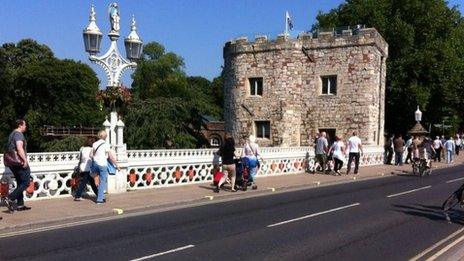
(322, 147)
(415, 148)
(101, 153)
(17, 142)
(437, 146)
(355, 151)
(457, 143)
(227, 153)
(389, 150)
(84, 166)
(338, 153)
(250, 154)
(316, 165)
(399, 144)
(449, 148)
(443, 141)
(409, 149)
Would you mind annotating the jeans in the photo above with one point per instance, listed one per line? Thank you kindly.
(253, 172)
(398, 158)
(83, 181)
(23, 177)
(355, 156)
(103, 173)
(437, 155)
(449, 155)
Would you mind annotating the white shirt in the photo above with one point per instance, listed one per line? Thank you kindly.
(250, 150)
(436, 144)
(337, 150)
(458, 142)
(353, 144)
(101, 155)
(86, 161)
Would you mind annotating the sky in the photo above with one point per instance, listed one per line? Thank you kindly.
(194, 29)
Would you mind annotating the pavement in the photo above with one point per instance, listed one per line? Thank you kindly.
(49, 212)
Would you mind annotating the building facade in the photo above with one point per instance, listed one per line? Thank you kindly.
(286, 90)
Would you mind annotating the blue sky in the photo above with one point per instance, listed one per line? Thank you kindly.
(193, 29)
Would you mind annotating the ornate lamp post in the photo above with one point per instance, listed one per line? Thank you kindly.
(112, 61)
(114, 65)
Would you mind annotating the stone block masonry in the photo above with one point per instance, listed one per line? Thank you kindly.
(286, 90)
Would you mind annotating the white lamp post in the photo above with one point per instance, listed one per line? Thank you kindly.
(114, 65)
(112, 61)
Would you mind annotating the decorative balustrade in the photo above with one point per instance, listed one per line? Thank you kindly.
(52, 172)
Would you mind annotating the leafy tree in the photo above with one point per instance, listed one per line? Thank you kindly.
(168, 107)
(425, 63)
(45, 91)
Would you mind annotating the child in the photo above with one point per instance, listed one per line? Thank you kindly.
(218, 178)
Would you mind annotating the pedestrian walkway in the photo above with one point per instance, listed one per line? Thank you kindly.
(65, 210)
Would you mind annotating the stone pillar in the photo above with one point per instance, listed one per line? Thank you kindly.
(107, 126)
(118, 183)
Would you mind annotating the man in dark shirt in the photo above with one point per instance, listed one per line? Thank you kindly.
(22, 174)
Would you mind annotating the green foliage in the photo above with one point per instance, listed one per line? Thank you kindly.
(426, 56)
(45, 91)
(71, 143)
(168, 106)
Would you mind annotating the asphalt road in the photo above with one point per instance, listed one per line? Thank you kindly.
(392, 218)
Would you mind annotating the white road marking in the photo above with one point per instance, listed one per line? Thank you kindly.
(163, 253)
(406, 192)
(454, 180)
(430, 249)
(313, 215)
(443, 250)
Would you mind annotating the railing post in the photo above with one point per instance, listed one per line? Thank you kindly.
(118, 183)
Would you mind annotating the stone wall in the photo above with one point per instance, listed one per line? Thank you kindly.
(292, 99)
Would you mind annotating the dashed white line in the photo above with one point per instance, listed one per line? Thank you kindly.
(454, 180)
(164, 253)
(314, 215)
(407, 192)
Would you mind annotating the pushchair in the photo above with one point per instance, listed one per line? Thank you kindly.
(241, 174)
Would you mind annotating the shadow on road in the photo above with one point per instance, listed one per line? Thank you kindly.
(431, 212)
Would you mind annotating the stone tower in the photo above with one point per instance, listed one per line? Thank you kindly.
(286, 90)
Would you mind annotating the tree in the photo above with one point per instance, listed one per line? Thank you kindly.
(168, 106)
(425, 63)
(44, 90)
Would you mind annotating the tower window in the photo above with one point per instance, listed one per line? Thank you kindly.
(263, 129)
(329, 85)
(256, 86)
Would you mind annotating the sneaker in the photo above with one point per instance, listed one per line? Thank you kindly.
(254, 187)
(21, 208)
(233, 190)
(77, 199)
(216, 190)
(100, 202)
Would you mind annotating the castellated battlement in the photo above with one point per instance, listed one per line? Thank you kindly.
(285, 90)
(359, 37)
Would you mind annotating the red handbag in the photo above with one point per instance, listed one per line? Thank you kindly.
(12, 159)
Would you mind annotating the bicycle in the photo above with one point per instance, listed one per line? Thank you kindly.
(454, 199)
(421, 167)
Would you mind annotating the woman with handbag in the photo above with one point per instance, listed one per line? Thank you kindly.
(83, 168)
(15, 158)
(250, 153)
(101, 154)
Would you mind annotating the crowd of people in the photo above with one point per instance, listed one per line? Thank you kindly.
(96, 161)
(426, 148)
(336, 154)
(237, 170)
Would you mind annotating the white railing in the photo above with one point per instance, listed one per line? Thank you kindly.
(52, 172)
